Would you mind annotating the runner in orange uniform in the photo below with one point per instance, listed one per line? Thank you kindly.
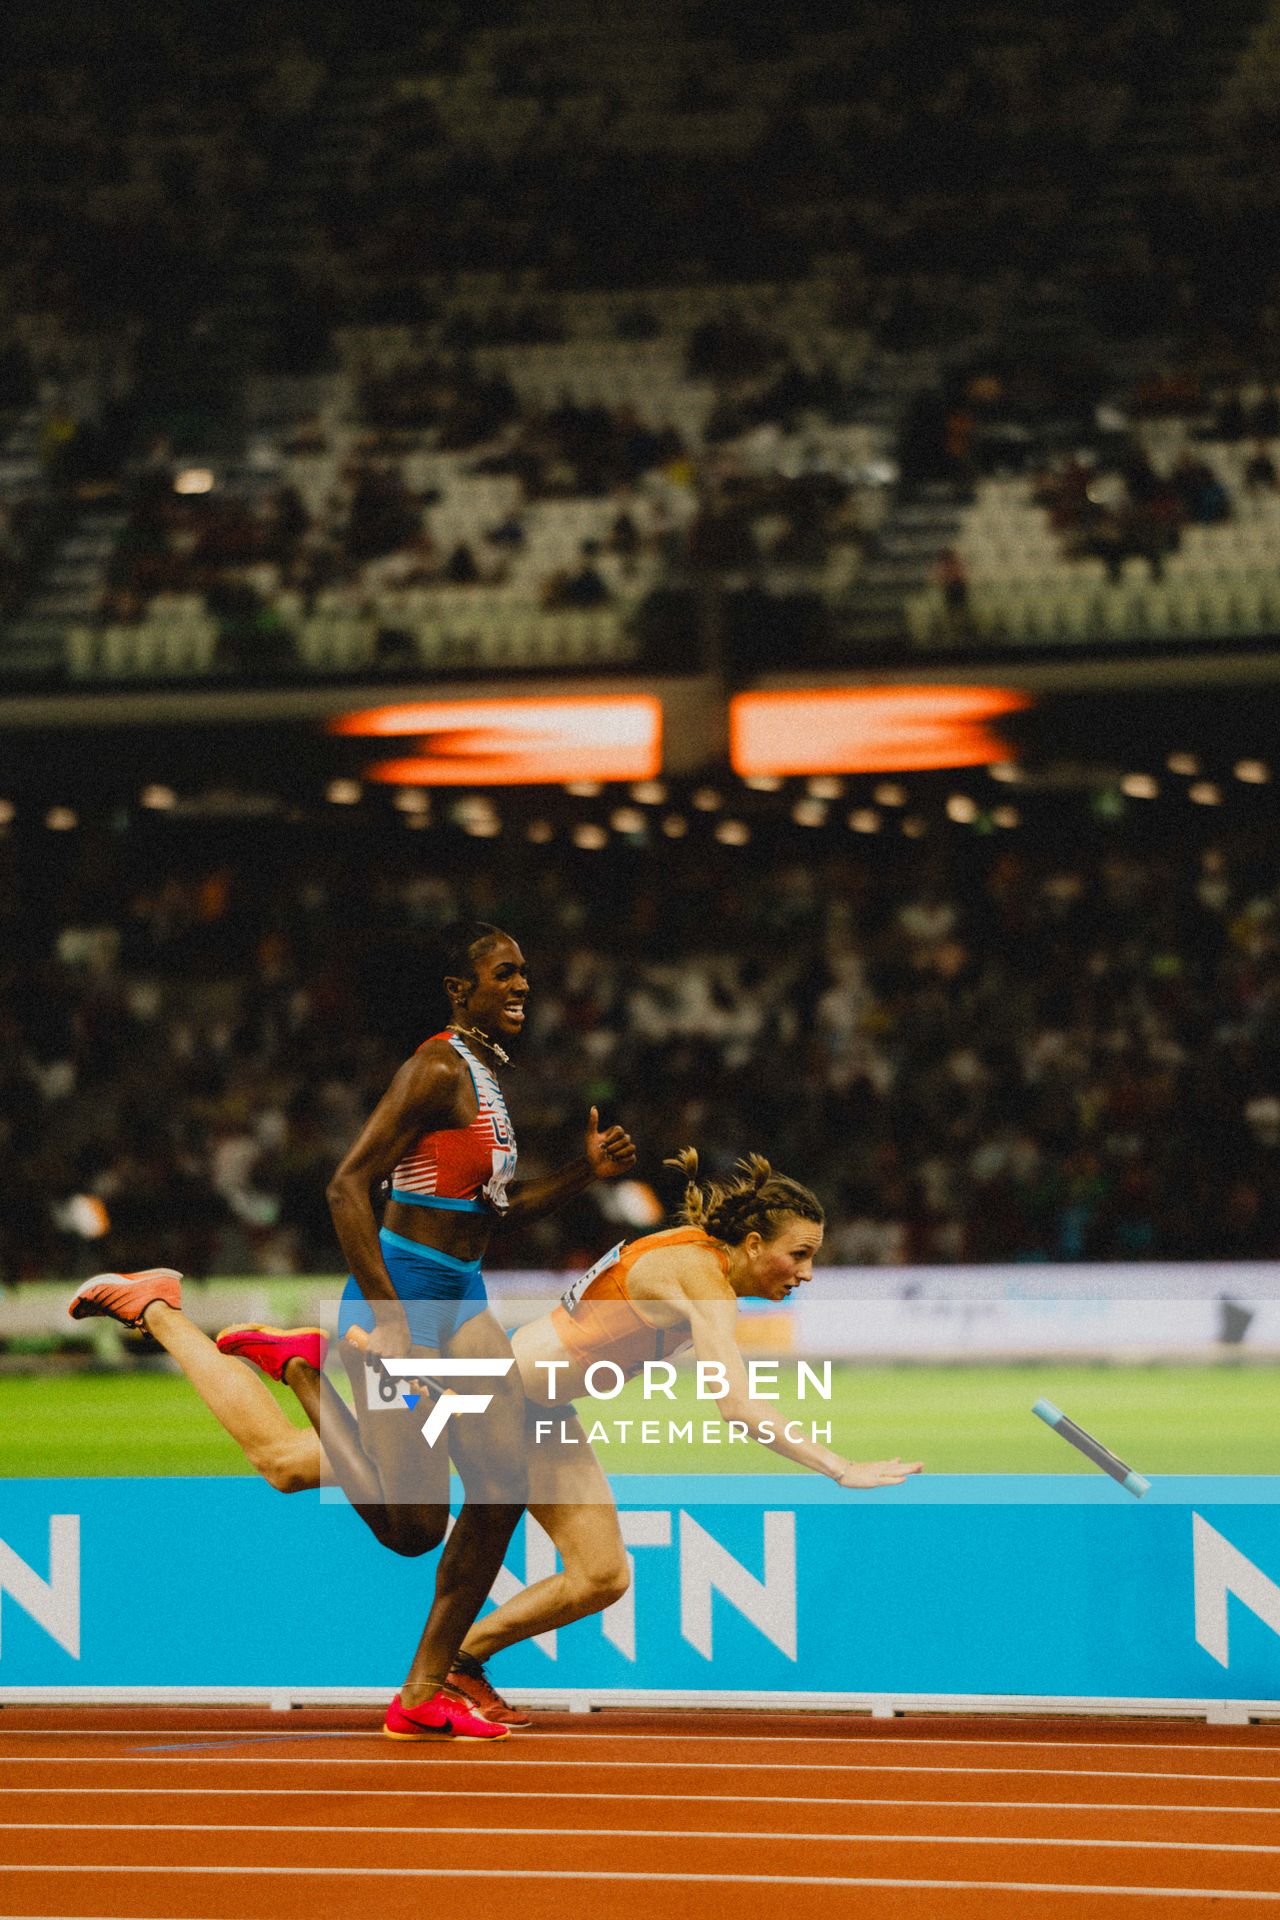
(753, 1236)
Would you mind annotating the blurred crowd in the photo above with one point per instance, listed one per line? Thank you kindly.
(1033, 1048)
(130, 158)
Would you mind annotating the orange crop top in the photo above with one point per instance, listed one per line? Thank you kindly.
(598, 1320)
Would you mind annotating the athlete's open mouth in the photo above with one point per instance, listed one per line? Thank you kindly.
(514, 1010)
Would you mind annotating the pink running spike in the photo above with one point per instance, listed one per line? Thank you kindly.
(440, 1718)
(272, 1348)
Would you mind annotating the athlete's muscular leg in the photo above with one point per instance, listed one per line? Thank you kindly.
(489, 1450)
(569, 1496)
(288, 1457)
(379, 1459)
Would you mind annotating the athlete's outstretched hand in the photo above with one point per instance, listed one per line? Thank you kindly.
(877, 1473)
(611, 1153)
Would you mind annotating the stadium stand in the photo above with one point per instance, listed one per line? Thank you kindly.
(617, 302)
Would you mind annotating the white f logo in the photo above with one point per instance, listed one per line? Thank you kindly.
(449, 1402)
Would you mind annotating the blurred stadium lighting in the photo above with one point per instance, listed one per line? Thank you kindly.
(1254, 773)
(1005, 772)
(649, 793)
(412, 800)
(865, 820)
(540, 832)
(476, 815)
(7, 812)
(1140, 786)
(707, 800)
(675, 826)
(61, 819)
(159, 798)
(631, 1203)
(584, 789)
(962, 808)
(84, 1215)
(587, 834)
(869, 729)
(1007, 817)
(733, 833)
(627, 820)
(193, 480)
(763, 782)
(516, 742)
(914, 827)
(1205, 794)
(343, 793)
(889, 794)
(809, 813)
(1184, 763)
(824, 787)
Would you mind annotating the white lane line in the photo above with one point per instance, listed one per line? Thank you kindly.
(541, 1734)
(681, 1879)
(662, 1799)
(444, 1757)
(655, 1833)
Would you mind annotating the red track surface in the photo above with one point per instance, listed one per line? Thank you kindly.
(234, 1814)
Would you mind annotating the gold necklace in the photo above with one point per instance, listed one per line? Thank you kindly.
(474, 1033)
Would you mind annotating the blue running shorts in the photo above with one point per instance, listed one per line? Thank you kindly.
(439, 1293)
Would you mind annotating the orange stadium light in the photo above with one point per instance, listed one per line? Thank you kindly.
(869, 729)
(515, 742)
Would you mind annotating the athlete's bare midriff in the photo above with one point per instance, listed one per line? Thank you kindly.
(461, 1236)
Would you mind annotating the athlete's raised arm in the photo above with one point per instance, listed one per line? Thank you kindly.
(605, 1155)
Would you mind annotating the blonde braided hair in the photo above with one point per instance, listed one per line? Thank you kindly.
(755, 1200)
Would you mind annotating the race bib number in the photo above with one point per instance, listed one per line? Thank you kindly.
(381, 1392)
(385, 1395)
(571, 1296)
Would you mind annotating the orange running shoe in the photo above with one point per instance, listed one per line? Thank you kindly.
(469, 1678)
(126, 1296)
(439, 1718)
(272, 1348)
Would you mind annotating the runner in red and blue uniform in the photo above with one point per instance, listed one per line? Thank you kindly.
(442, 1136)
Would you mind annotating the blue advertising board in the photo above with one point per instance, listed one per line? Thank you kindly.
(946, 1586)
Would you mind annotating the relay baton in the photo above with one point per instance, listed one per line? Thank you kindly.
(1091, 1449)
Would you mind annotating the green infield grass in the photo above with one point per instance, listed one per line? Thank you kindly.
(1161, 1420)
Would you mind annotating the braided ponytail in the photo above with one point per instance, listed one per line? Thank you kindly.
(756, 1200)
